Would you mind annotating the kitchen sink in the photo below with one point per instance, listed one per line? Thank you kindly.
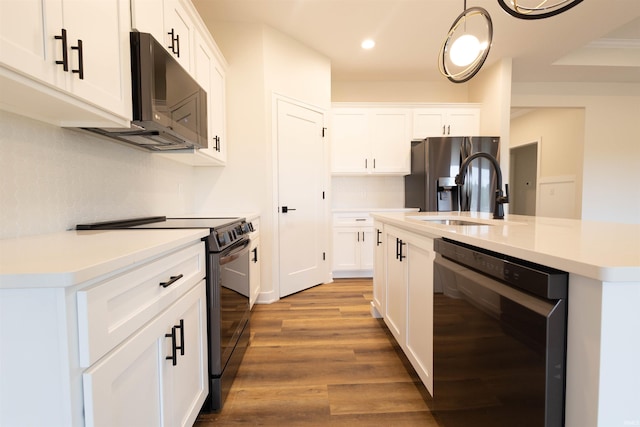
(449, 221)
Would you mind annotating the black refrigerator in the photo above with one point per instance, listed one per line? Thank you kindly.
(435, 162)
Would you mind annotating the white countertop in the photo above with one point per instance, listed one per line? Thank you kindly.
(609, 252)
(342, 210)
(71, 257)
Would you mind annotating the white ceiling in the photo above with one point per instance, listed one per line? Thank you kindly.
(598, 40)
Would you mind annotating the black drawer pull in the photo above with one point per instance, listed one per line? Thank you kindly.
(171, 281)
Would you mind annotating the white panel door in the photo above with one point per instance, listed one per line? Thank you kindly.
(302, 223)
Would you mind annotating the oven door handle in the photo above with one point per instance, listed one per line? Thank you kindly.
(235, 253)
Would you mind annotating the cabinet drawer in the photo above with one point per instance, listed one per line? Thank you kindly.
(352, 220)
(110, 311)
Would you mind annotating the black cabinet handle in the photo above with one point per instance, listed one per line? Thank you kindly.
(255, 255)
(286, 209)
(363, 237)
(65, 56)
(378, 233)
(174, 349)
(80, 70)
(401, 257)
(171, 281)
(177, 45)
(173, 41)
(448, 129)
(397, 248)
(181, 346)
(444, 127)
(216, 147)
(365, 163)
(374, 163)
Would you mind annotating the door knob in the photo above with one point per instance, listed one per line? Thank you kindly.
(286, 209)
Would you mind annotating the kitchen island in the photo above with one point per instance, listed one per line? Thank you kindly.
(603, 262)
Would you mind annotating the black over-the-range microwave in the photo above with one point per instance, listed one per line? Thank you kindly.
(169, 106)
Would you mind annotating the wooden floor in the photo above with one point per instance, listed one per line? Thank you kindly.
(318, 358)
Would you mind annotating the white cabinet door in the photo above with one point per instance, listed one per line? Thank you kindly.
(419, 346)
(396, 315)
(147, 16)
(349, 141)
(218, 129)
(442, 121)
(185, 383)
(366, 248)
(137, 385)
(99, 58)
(346, 248)
(379, 270)
(428, 122)
(179, 32)
(27, 43)
(210, 74)
(463, 122)
(390, 138)
(254, 270)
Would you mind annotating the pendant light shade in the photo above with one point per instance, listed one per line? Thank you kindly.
(536, 9)
(467, 45)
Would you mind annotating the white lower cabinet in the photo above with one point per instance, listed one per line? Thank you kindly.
(157, 377)
(409, 297)
(353, 242)
(96, 353)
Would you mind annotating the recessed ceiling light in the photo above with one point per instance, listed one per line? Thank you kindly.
(368, 44)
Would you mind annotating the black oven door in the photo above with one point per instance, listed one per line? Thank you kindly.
(228, 305)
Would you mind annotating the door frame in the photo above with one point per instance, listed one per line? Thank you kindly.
(275, 98)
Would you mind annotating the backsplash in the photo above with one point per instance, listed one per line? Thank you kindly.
(53, 178)
(367, 192)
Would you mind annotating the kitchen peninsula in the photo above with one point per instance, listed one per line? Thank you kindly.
(603, 262)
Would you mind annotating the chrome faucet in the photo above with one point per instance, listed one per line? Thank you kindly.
(498, 209)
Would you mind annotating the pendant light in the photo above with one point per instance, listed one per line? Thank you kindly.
(536, 9)
(467, 45)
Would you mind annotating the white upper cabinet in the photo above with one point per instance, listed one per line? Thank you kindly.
(66, 62)
(210, 74)
(180, 32)
(170, 23)
(445, 121)
(371, 141)
(177, 25)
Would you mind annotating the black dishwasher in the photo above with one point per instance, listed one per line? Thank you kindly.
(499, 339)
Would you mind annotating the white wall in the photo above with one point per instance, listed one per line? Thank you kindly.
(262, 62)
(560, 132)
(610, 190)
(52, 179)
(399, 91)
(367, 192)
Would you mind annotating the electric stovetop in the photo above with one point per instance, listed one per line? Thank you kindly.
(161, 222)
